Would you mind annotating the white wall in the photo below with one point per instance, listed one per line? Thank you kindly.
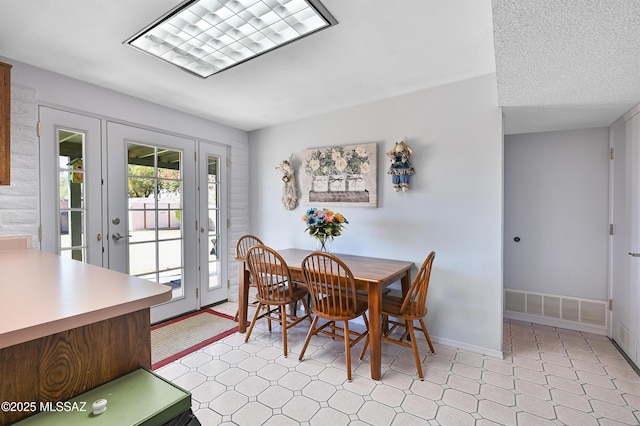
(58, 90)
(454, 205)
(556, 201)
(19, 202)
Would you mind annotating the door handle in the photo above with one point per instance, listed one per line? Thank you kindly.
(635, 254)
(116, 236)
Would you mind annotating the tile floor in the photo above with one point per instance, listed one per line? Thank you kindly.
(549, 376)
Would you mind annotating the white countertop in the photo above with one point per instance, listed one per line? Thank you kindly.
(43, 294)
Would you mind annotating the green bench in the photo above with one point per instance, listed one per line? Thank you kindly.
(138, 398)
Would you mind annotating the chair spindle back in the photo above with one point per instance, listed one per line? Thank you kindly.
(330, 283)
(270, 274)
(415, 300)
(245, 243)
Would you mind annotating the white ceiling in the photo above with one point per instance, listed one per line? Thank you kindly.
(560, 64)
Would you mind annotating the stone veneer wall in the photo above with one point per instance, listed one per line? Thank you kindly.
(19, 201)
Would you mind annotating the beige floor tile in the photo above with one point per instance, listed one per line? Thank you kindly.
(548, 377)
(318, 391)
(591, 367)
(420, 407)
(560, 371)
(464, 384)
(466, 371)
(529, 364)
(533, 389)
(499, 380)
(528, 419)
(498, 366)
(497, 413)
(498, 395)
(473, 360)
(626, 373)
(596, 379)
(300, 408)
(252, 414)
(571, 400)
(460, 400)
(327, 415)
(276, 397)
(533, 376)
(376, 413)
(562, 361)
(614, 412)
(535, 406)
(561, 383)
(346, 402)
(452, 416)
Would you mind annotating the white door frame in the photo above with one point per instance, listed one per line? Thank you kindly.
(213, 284)
(51, 121)
(625, 208)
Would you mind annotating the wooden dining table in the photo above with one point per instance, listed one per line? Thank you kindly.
(371, 274)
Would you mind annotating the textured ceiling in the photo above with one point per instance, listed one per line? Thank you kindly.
(566, 63)
(560, 64)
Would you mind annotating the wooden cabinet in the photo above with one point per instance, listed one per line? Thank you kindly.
(5, 123)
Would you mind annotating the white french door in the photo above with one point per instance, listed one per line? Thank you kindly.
(213, 223)
(137, 201)
(152, 212)
(70, 185)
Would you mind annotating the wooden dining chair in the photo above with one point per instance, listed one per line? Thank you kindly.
(242, 246)
(403, 311)
(276, 290)
(334, 298)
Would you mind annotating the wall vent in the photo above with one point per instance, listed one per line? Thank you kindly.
(589, 312)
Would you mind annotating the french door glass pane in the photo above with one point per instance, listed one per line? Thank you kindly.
(213, 188)
(71, 189)
(156, 242)
(142, 260)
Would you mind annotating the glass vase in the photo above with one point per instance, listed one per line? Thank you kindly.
(324, 244)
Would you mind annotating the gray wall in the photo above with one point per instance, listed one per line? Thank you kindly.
(556, 201)
(454, 205)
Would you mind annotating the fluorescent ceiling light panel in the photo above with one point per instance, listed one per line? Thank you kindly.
(205, 37)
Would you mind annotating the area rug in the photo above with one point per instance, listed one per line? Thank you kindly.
(181, 336)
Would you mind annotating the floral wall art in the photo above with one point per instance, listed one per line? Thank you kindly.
(340, 175)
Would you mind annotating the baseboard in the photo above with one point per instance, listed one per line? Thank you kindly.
(467, 347)
(626, 357)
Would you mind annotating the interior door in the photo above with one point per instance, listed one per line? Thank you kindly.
(625, 241)
(71, 185)
(152, 212)
(213, 223)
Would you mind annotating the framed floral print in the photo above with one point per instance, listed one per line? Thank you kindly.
(340, 175)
